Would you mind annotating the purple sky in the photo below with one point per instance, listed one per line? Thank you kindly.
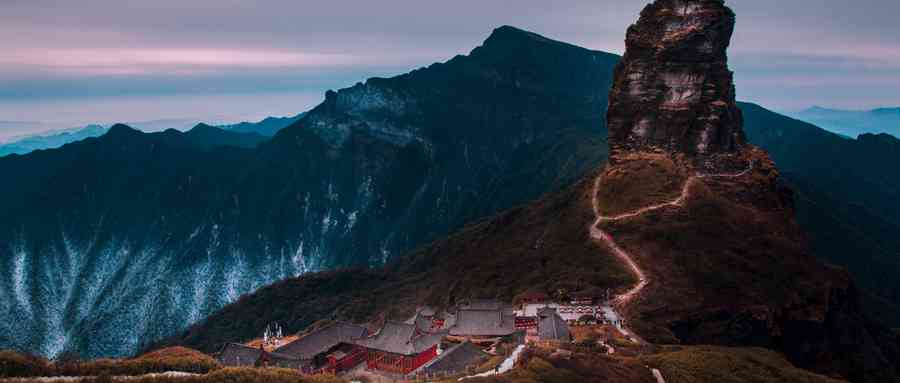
(71, 62)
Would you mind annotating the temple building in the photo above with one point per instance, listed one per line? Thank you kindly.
(328, 349)
(552, 327)
(400, 348)
(458, 358)
(239, 355)
(484, 319)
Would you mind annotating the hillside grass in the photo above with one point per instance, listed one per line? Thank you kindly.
(13, 364)
(233, 375)
(543, 247)
(178, 359)
(729, 365)
(538, 365)
(638, 182)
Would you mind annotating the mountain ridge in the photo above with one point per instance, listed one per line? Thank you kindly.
(167, 233)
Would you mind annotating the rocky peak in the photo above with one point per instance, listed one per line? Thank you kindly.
(673, 90)
(506, 36)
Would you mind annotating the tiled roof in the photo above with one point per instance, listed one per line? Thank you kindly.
(552, 326)
(483, 323)
(449, 320)
(322, 340)
(423, 323)
(482, 304)
(427, 311)
(455, 360)
(239, 355)
(401, 338)
(285, 361)
(235, 355)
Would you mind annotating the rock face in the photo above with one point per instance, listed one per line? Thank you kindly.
(673, 90)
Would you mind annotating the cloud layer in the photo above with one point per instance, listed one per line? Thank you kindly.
(786, 54)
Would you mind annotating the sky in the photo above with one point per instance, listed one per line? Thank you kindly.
(67, 63)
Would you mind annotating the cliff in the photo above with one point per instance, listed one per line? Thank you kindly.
(673, 90)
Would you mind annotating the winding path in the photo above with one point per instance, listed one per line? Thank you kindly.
(601, 236)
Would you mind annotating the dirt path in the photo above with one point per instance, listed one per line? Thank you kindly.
(603, 237)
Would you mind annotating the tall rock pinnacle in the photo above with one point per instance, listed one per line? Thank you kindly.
(673, 90)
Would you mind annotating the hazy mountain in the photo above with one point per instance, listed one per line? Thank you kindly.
(852, 123)
(112, 240)
(267, 127)
(51, 140)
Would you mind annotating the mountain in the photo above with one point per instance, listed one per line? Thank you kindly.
(852, 123)
(77, 249)
(266, 127)
(48, 141)
(142, 231)
(207, 137)
(695, 213)
(846, 194)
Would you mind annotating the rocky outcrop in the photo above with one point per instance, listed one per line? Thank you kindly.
(673, 90)
(726, 263)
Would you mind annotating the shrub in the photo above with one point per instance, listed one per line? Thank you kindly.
(13, 365)
(236, 375)
(176, 359)
(728, 365)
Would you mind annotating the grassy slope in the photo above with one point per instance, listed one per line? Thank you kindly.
(729, 365)
(638, 182)
(731, 267)
(169, 359)
(543, 246)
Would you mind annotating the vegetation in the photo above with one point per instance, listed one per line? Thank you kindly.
(512, 253)
(177, 359)
(729, 365)
(542, 366)
(171, 359)
(13, 364)
(677, 364)
(235, 375)
(634, 184)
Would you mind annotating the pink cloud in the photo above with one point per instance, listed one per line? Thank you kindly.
(112, 61)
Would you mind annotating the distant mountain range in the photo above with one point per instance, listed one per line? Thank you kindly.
(852, 123)
(48, 141)
(266, 127)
